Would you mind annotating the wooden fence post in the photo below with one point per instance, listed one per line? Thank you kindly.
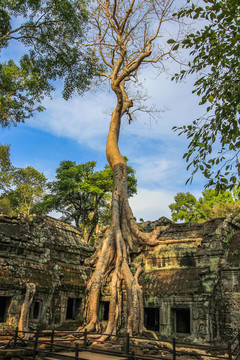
(52, 340)
(174, 348)
(76, 352)
(35, 345)
(132, 356)
(15, 337)
(85, 339)
(229, 351)
(127, 344)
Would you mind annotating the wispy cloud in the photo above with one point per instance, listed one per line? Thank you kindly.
(151, 204)
(81, 119)
(86, 119)
(153, 149)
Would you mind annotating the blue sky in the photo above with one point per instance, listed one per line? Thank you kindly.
(77, 130)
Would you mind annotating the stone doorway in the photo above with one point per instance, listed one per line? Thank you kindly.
(104, 310)
(151, 318)
(181, 321)
(73, 307)
(35, 310)
(4, 305)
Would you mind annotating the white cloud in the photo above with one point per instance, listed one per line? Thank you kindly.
(179, 105)
(153, 149)
(81, 119)
(86, 119)
(151, 204)
(155, 171)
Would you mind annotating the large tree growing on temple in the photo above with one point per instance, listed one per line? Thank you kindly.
(126, 35)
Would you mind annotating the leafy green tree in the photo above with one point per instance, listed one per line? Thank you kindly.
(83, 195)
(6, 176)
(6, 168)
(50, 31)
(209, 206)
(184, 207)
(19, 188)
(5, 205)
(29, 188)
(215, 53)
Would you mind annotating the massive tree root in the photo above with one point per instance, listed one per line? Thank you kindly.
(23, 324)
(114, 255)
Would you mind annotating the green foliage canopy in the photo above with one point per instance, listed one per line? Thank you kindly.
(30, 186)
(209, 206)
(50, 31)
(20, 187)
(6, 168)
(83, 195)
(215, 51)
(184, 207)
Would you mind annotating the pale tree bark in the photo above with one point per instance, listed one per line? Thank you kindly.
(125, 42)
(23, 324)
(122, 239)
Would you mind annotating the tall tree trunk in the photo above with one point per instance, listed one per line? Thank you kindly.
(121, 240)
(91, 227)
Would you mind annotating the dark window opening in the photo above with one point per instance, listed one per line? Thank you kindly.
(151, 319)
(73, 307)
(182, 321)
(4, 305)
(35, 310)
(104, 310)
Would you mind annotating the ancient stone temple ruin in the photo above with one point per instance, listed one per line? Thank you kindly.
(191, 279)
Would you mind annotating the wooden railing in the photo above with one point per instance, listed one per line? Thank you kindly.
(54, 341)
(234, 348)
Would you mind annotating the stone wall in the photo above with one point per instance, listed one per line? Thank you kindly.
(191, 279)
(48, 253)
